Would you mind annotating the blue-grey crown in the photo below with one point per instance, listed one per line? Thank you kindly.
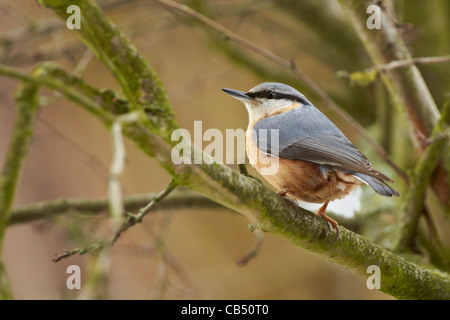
(276, 90)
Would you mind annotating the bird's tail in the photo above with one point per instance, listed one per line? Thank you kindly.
(377, 184)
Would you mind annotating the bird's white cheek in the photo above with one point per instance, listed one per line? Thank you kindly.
(275, 106)
(253, 112)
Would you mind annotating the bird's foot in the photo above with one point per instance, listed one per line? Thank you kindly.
(333, 223)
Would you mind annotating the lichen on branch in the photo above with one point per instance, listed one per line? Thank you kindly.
(247, 196)
(140, 84)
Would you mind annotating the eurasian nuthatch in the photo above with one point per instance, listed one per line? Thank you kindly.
(316, 162)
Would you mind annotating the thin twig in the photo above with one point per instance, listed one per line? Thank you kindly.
(369, 75)
(297, 72)
(53, 208)
(130, 221)
(250, 254)
(162, 257)
(116, 169)
(408, 62)
(27, 105)
(420, 179)
(75, 148)
(84, 61)
(92, 248)
(117, 165)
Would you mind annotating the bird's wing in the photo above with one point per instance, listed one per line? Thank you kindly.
(306, 134)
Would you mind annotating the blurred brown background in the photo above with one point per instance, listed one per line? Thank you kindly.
(71, 153)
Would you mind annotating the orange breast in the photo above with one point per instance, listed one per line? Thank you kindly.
(302, 179)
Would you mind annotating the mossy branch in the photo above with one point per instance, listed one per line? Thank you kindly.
(129, 221)
(27, 103)
(247, 196)
(369, 75)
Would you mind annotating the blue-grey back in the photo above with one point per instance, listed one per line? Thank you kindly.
(307, 134)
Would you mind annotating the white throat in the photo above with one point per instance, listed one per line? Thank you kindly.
(264, 108)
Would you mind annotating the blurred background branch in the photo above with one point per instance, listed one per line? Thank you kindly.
(406, 86)
(421, 176)
(27, 104)
(50, 209)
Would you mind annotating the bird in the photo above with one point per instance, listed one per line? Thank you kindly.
(315, 160)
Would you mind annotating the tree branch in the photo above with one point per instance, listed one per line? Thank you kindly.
(250, 254)
(115, 172)
(251, 198)
(49, 209)
(27, 104)
(130, 220)
(409, 62)
(368, 75)
(420, 178)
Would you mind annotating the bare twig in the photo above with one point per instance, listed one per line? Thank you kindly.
(92, 248)
(53, 208)
(117, 164)
(83, 63)
(369, 75)
(130, 221)
(162, 257)
(408, 62)
(250, 254)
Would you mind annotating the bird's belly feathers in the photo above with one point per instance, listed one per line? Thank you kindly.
(303, 180)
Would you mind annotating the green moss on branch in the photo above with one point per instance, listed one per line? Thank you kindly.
(140, 84)
(27, 104)
(420, 179)
(399, 278)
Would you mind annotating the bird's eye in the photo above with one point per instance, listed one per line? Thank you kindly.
(270, 95)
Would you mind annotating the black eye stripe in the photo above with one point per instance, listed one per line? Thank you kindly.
(276, 95)
(259, 94)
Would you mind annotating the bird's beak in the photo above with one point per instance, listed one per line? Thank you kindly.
(240, 95)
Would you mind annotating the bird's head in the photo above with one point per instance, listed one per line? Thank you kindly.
(268, 98)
